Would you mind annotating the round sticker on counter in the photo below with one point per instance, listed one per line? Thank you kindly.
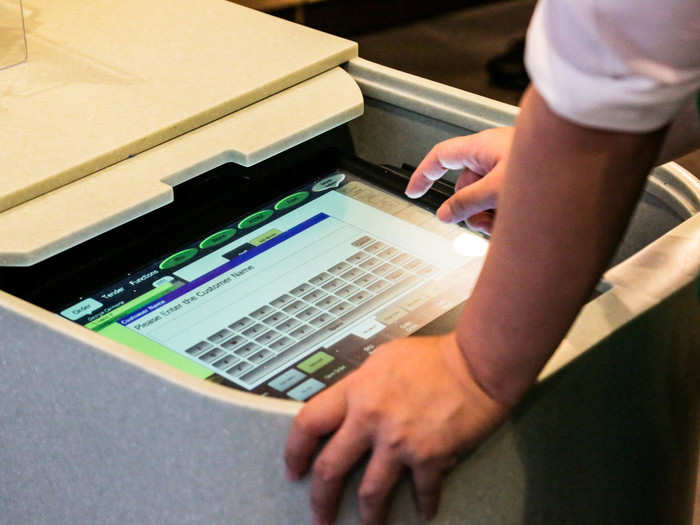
(332, 181)
(292, 200)
(217, 238)
(255, 219)
(178, 258)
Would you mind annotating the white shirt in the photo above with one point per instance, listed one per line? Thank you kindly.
(625, 65)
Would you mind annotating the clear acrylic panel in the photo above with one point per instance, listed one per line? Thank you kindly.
(13, 41)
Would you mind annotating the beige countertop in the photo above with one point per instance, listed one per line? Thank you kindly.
(107, 80)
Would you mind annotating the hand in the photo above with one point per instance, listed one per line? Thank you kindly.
(412, 404)
(481, 157)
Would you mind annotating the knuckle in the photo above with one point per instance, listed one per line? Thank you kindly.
(318, 502)
(303, 422)
(455, 205)
(440, 147)
(326, 471)
(368, 415)
(397, 440)
(371, 494)
(424, 456)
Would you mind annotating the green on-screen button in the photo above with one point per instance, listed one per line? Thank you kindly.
(315, 362)
(255, 219)
(292, 200)
(178, 258)
(217, 238)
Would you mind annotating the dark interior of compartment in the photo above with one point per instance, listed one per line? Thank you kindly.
(199, 206)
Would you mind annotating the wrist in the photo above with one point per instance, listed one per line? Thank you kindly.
(492, 364)
(491, 409)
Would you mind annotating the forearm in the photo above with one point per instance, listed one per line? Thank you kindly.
(567, 196)
(683, 135)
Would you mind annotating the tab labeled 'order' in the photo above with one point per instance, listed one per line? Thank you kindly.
(81, 309)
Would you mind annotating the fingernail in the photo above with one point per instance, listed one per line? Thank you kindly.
(411, 194)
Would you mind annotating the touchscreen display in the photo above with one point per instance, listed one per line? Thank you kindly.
(293, 296)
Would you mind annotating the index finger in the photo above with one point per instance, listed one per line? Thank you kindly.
(447, 155)
(320, 416)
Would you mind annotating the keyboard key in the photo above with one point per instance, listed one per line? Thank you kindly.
(412, 264)
(391, 315)
(339, 268)
(309, 313)
(375, 248)
(247, 350)
(219, 336)
(315, 362)
(233, 343)
(212, 355)
(341, 309)
(198, 348)
(282, 300)
(261, 312)
(400, 259)
(275, 319)
(281, 343)
(346, 291)
(364, 280)
(260, 357)
(255, 330)
(383, 269)
(302, 332)
(294, 308)
(327, 302)
(333, 285)
(314, 296)
(396, 275)
(389, 253)
(241, 324)
(287, 380)
(239, 369)
(427, 270)
(362, 241)
(321, 320)
(369, 263)
(360, 297)
(307, 389)
(267, 337)
(352, 274)
(333, 328)
(413, 301)
(271, 366)
(301, 289)
(320, 278)
(289, 325)
(357, 257)
(226, 362)
(379, 286)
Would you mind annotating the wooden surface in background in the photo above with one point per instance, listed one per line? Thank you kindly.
(298, 7)
(271, 5)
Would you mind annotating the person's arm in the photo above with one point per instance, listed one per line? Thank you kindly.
(417, 403)
(567, 196)
(683, 134)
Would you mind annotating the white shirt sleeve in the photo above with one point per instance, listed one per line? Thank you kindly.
(625, 65)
